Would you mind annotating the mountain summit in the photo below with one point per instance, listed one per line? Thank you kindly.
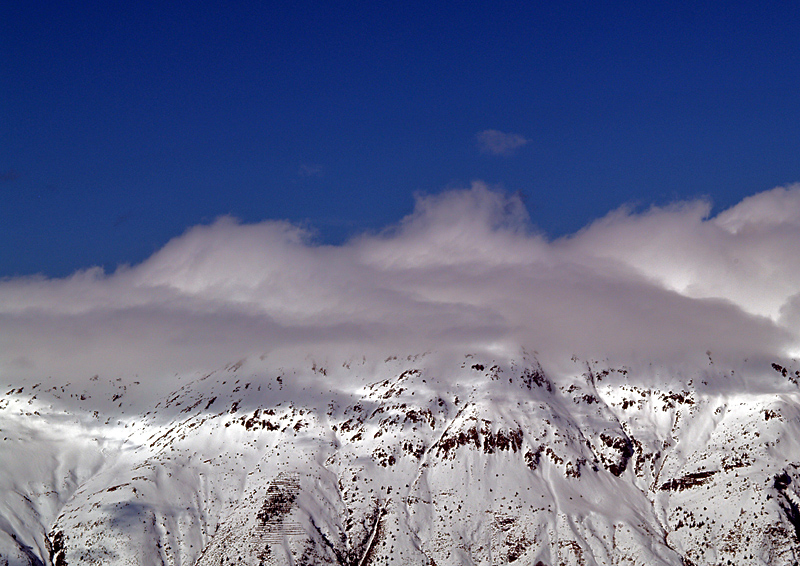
(426, 459)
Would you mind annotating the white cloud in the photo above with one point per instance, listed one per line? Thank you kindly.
(500, 143)
(745, 255)
(464, 271)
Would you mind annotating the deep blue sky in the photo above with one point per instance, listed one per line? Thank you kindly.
(124, 123)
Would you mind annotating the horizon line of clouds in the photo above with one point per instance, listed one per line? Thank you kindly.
(495, 142)
(465, 270)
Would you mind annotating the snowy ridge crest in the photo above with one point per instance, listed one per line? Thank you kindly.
(425, 459)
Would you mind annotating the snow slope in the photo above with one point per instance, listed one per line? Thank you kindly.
(426, 459)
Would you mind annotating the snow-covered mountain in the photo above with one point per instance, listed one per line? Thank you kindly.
(426, 459)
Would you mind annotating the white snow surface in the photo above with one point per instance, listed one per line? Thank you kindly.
(425, 459)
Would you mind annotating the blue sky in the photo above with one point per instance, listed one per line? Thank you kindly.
(124, 124)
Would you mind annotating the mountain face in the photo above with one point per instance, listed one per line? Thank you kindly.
(426, 459)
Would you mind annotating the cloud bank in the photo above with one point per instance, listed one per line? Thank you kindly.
(500, 143)
(465, 271)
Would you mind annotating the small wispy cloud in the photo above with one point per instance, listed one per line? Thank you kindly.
(8, 176)
(500, 143)
(307, 170)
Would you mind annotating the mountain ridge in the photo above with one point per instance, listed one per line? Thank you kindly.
(421, 459)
